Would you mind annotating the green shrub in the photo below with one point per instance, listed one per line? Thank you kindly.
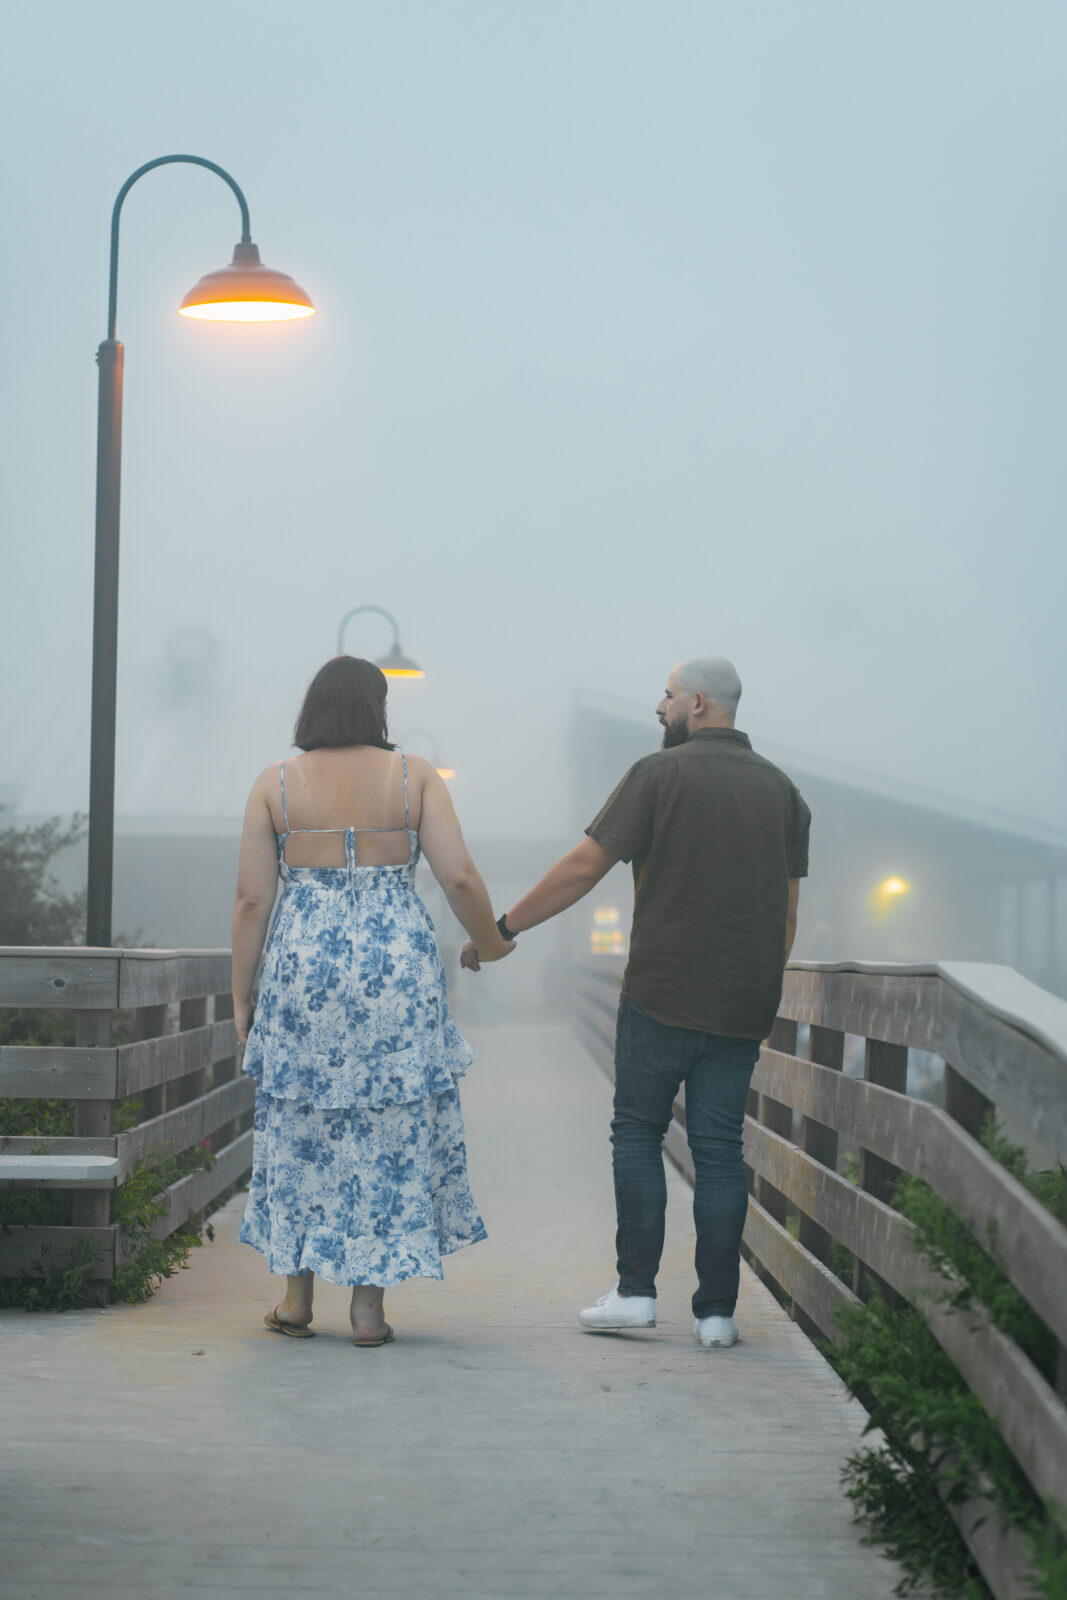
(936, 1431)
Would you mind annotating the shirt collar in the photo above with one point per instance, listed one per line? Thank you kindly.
(731, 736)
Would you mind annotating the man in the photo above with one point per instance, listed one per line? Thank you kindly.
(718, 838)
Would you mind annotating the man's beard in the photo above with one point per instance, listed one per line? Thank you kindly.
(674, 736)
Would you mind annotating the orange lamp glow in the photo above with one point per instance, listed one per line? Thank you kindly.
(446, 773)
(397, 665)
(246, 291)
(894, 886)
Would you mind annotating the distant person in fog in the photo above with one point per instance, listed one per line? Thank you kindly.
(718, 838)
(359, 1163)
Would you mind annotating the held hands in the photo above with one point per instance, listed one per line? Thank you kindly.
(471, 957)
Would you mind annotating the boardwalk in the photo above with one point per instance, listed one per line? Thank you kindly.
(176, 1449)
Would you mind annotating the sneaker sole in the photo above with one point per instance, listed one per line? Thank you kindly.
(613, 1327)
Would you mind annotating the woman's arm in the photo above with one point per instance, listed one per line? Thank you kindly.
(257, 885)
(451, 864)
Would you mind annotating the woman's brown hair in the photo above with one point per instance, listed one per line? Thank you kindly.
(344, 704)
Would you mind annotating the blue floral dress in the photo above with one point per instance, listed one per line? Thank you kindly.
(359, 1168)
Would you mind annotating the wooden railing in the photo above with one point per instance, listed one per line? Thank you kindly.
(1003, 1045)
(180, 1064)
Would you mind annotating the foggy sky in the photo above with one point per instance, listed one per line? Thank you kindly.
(645, 331)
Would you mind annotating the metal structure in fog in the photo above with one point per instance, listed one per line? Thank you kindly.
(395, 664)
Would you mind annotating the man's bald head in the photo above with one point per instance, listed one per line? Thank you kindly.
(712, 676)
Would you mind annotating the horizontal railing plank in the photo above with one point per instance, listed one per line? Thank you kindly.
(187, 1125)
(20, 1248)
(803, 1276)
(200, 1188)
(150, 1062)
(60, 977)
(58, 1072)
(36, 1144)
(157, 977)
(1031, 1418)
(874, 1005)
(1026, 1239)
(106, 980)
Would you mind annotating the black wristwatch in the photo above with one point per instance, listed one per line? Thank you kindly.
(505, 931)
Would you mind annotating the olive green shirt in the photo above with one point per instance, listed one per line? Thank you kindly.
(714, 833)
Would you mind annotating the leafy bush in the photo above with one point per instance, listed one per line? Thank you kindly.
(936, 1431)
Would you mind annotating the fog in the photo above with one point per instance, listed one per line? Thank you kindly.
(644, 331)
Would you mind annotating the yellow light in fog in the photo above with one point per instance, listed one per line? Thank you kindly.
(894, 886)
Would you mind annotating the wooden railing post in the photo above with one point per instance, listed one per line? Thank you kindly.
(191, 1014)
(91, 1208)
(779, 1118)
(151, 1022)
(225, 1071)
(826, 1046)
(965, 1104)
(886, 1065)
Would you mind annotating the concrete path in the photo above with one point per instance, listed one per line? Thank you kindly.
(178, 1450)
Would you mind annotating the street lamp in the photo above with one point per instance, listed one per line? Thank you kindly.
(244, 291)
(395, 664)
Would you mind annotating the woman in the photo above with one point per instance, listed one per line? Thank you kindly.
(359, 1166)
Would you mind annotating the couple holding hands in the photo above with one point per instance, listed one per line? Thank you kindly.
(359, 1163)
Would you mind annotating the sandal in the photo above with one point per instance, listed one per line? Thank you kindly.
(372, 1344)
(290, 1329)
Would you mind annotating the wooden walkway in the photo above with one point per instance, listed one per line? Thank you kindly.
(176, 1449)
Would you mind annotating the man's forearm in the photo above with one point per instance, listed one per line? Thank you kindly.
(562, 885)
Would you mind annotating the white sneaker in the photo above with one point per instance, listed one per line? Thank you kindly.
(715, 1333)
(614, 1310)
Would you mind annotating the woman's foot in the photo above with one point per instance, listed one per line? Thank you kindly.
(367, 1314)
(295, 1309)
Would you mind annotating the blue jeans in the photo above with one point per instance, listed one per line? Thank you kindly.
(651, 1060)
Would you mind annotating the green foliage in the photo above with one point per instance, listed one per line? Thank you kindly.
(60, 1284)
(61, 1280)
(33, 907)
(939, 1442)
(138, 1205)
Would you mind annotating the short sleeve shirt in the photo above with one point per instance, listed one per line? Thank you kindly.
(714, 833)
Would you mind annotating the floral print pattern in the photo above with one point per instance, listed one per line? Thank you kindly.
(359, 1163)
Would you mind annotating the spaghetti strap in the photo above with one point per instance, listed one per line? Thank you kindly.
(285, 814)
(404, 759)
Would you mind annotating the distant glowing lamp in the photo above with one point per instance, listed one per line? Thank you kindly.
(606, 937)
(892, 886)
(246, 291)
(446, 773)
(605, 916)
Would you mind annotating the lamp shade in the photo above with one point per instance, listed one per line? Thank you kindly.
(397, 665)
(246, 291)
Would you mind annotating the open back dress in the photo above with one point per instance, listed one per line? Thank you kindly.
(359, 1162)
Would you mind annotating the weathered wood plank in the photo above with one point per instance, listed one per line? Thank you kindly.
(900, 1010)
(34, 1144)
(20, 1248)
(810, 1284)
(200, 1188)
(151, 1062)
(1031, 1418)
(1019, 1075)
(158, 977)
(186, 1125)
(57, 1072)
(1029, 1243)
(61, 977)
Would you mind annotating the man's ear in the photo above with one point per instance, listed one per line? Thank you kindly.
(700, 705)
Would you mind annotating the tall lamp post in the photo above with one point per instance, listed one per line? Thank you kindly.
(395, 664)
(243, 291)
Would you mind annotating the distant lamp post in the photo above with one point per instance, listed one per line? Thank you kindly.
(244, 291)
(448, 773)
(893, 886)
(395, 664)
